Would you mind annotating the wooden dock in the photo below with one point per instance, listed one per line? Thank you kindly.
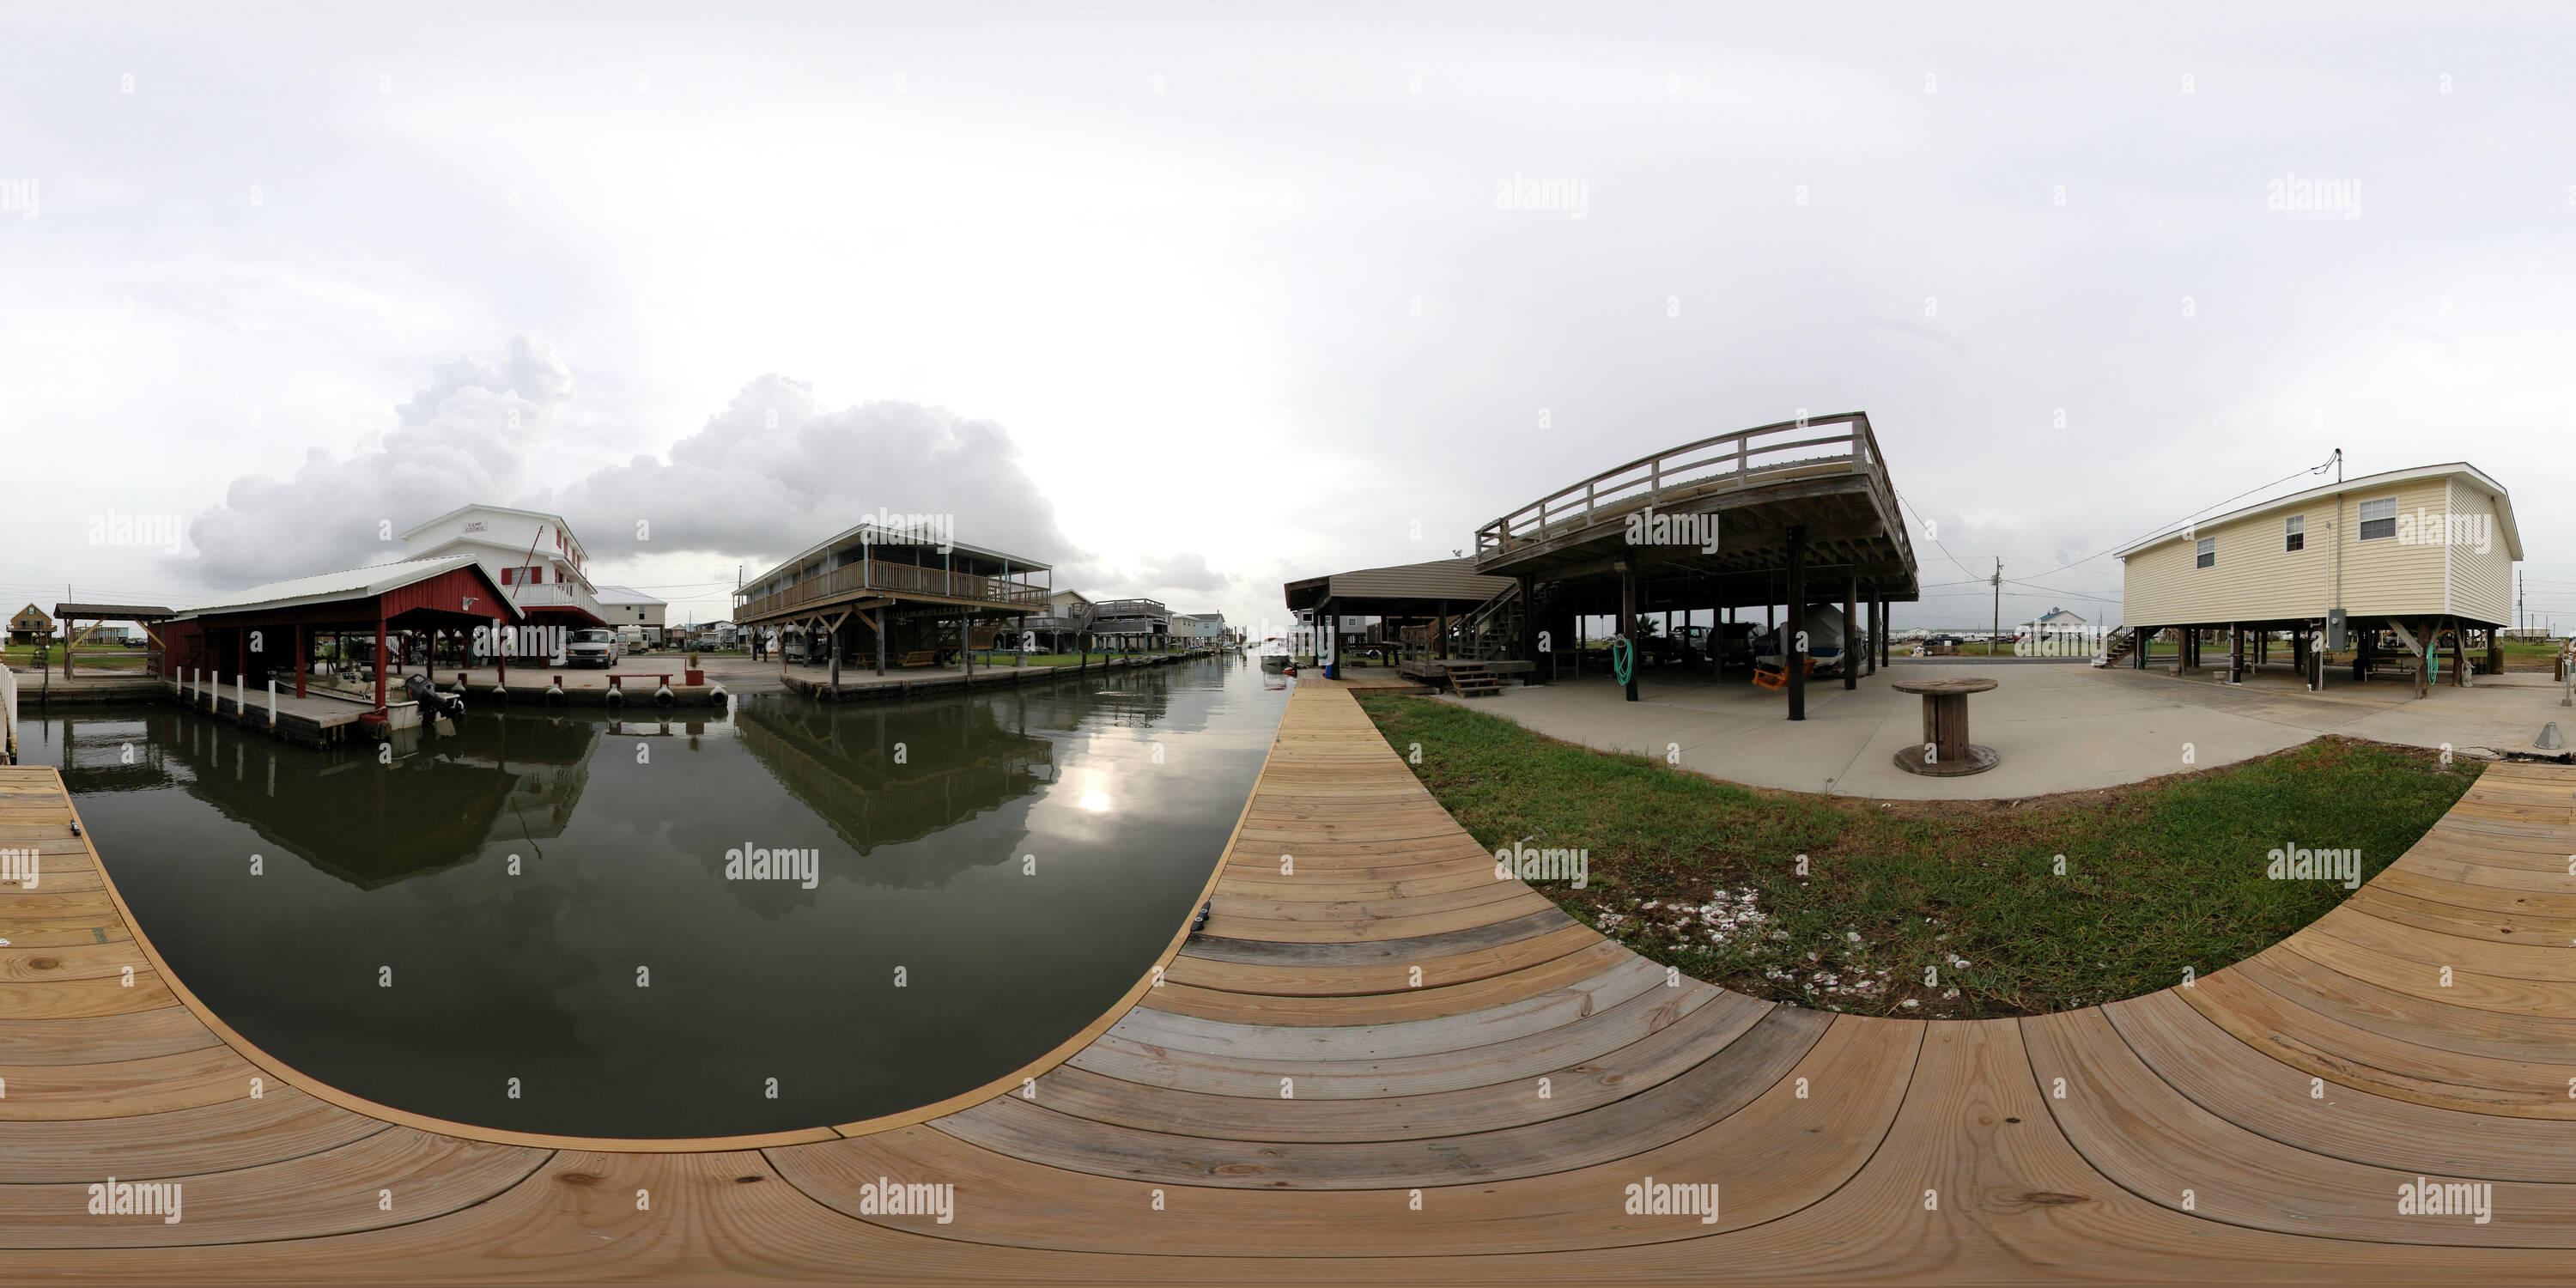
(864, 685)
(1378, 1063)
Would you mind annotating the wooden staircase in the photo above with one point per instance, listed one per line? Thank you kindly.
(2118, 645)
(1474, 679)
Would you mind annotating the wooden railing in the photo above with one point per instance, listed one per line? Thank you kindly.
(899, 578)
(1740, 459)
(8, 715)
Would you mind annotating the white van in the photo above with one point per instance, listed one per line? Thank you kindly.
(593, 646)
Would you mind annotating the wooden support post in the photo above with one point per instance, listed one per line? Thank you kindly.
(2235, 653)
(380, 655)
(1628, 624)
(1440, 633)
(1793, 658)
(966, 644)
(1528, 627)
(2424, 659)
(1851, 632)
(836, 657)
(2460, 654)
(877, 620)
(303, 656)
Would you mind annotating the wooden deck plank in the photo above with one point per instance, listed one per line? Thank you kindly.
(1824, 1131)
(2255, 1091)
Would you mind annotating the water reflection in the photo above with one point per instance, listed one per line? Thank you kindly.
(1021, 855)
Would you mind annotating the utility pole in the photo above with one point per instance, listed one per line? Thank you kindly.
(1999, 606)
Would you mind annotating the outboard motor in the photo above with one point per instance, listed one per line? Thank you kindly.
(425, 691)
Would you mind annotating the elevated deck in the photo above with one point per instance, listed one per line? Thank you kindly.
(1389, 1065)
(1743, 493)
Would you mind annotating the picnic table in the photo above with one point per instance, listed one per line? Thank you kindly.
(1945, 750)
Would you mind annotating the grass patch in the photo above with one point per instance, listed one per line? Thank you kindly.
(1703, 875)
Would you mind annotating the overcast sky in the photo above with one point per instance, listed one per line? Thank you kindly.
(1197, 299)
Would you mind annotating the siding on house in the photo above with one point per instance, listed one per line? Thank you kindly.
(2256, 578)
(2481, 583)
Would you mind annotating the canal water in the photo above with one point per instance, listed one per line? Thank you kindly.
(779, 917)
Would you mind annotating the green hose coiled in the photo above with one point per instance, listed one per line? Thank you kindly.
(1623, 658)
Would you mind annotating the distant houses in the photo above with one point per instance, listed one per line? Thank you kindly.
(886, 592)
(1200, 628)
(30, 626)
(624, 606)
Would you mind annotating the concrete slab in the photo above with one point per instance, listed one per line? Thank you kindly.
(2059, 728)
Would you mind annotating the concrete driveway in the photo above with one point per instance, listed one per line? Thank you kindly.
(2058, 728)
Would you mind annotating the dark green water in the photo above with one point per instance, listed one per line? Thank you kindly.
(920, 818)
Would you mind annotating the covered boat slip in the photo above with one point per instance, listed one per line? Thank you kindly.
(2405, 573)
(1429, 614)
(894, 592)
(223, 655)
(1796, 514)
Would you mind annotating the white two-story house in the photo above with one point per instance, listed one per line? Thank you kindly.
(534, 557)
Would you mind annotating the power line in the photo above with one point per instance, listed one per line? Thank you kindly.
(2330, 462)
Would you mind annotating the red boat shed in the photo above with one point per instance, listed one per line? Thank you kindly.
(267, 632)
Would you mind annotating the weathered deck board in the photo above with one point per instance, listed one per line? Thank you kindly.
(1416, 1131)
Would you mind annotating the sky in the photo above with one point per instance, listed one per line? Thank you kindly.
(1193, 300)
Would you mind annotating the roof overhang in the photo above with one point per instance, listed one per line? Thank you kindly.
(855, 531)
(353, 584)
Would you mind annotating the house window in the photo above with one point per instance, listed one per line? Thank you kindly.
(2208, 553)
(2379, 518)
(2297, 526)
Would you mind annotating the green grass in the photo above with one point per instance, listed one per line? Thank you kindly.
(2159, 876)
(24, 655)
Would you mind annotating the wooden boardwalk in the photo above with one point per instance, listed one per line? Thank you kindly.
(1379, 1063)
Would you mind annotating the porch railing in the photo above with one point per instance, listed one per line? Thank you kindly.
(1739, 459)
(900, 579)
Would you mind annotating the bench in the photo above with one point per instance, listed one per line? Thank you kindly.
(921, 657)
(615, 676)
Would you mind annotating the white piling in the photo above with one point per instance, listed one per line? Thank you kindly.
(272, 703)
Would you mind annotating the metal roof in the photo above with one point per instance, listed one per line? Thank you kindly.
(791, 563)
(1455, 580)
(623, 595)
(348, 583)
(2366, 483)
(112, 612)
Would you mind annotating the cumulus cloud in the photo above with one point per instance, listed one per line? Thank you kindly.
(1180, 572)
(772, 473)
(462, 437)
(776, 471)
